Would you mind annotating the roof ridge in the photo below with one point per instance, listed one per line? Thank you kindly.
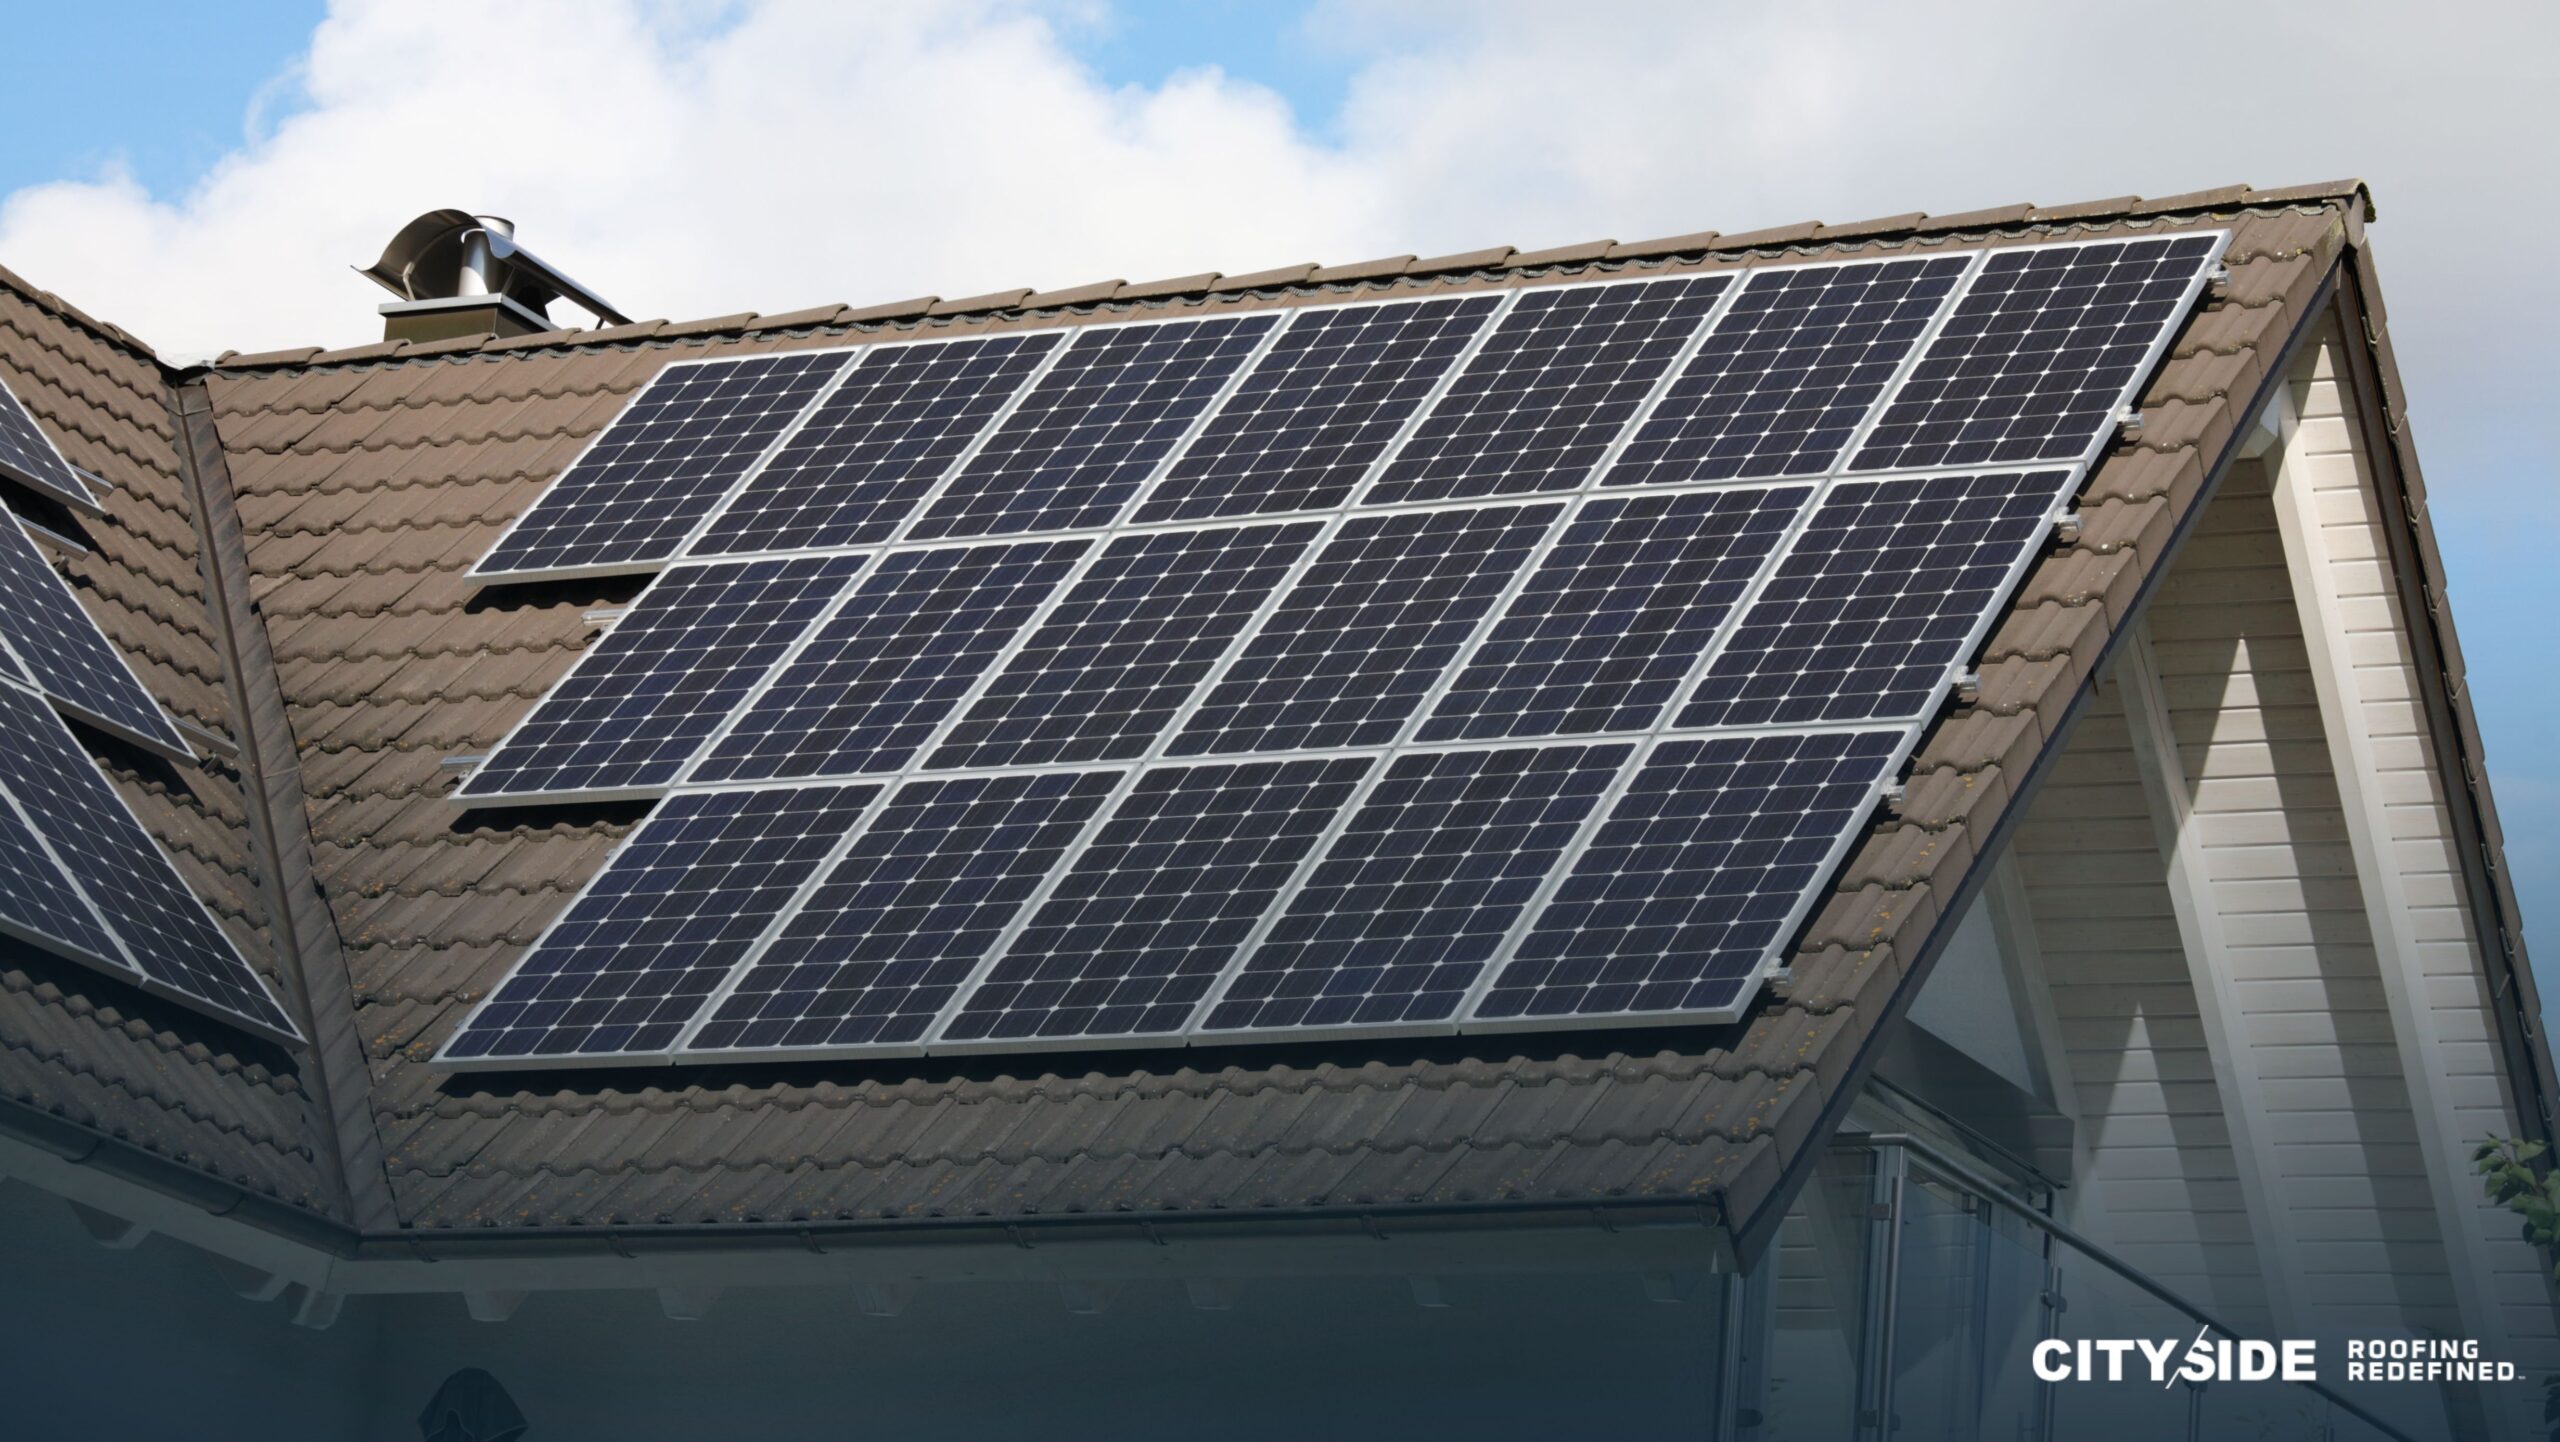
(63, 310)
(1208, 285)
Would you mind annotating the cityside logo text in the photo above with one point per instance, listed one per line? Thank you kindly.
(2169, 1360)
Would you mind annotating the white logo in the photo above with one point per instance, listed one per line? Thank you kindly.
(2166, 1360)
(2170, 1360)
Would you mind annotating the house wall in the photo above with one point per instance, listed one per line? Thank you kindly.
(1505, 1357)
(152, 1342)
(2348, 1185)
(2160, 1183)
(2330, 509)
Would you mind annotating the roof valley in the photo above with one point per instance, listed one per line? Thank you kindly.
(305, 928)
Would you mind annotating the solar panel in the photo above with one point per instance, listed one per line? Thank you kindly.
(1359, 640)
(1702, 867)
(1318, 409)
(883, 944)
(1877, 599)
(644, 484)
(1124, 647)
(632, 712)
(1158, 900)
(2039, 353)
(1539, 405)
(877, 676)
(1411, 901)
(168, 934)
(876, 445)
(1783, 379)
(29, 456)
(1096, 425)
(60, 647)
(1612, 620)
(644, 946)
(38, 902)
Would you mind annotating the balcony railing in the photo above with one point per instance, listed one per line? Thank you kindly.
(1905, 1302)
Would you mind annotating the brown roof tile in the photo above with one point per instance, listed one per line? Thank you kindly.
(370, 479)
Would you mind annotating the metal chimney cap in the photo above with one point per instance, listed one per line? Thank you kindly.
(429, 259)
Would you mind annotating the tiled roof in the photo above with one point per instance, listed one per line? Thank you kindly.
(368, 480)
(76, 1047)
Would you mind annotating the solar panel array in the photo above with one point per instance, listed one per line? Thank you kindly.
(84, 879)
(1511, 658)
(29, 456)
(79, 876)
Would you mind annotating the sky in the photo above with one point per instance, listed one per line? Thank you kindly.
(205, 175)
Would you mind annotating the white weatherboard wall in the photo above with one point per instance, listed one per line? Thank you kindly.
(2160, 1185)
(2347, 1181)
(2400, 832)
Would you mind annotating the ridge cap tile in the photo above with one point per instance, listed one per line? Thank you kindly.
(2192, 200)
(806, 318)
(1586, 250)
(910, 308)
(1698, 240)
(1774, 237)
(1197, 283)
(1902, 224)
(975, 304)
(1383, 267)
(1074, 295)
(735, 321)
(2086, 209)
(1278, 275)
(1482, 258)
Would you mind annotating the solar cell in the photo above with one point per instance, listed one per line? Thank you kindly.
(30, 457)
(876, 445)
(1701, 869)
(636, 955)
(877, 676)
(60, 647)
(38, 902)
(1095, 426)
(2046, 343)
(1873, 604)
(1156, 902)
(1355, 645)
(1539, 405)
(635, 709)
(1615, 615)
(646, 482)
(1312, 415)
(1418, 891)
(1781, 382)
(168, 934)
(1123, 648)
(884, 943)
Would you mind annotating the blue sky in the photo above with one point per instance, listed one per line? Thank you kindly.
(991, 143)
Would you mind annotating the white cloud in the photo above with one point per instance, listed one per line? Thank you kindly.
(774, 154)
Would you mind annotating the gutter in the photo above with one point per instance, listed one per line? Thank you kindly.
(334, 1247)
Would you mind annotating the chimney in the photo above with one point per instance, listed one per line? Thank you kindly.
(459, 274)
